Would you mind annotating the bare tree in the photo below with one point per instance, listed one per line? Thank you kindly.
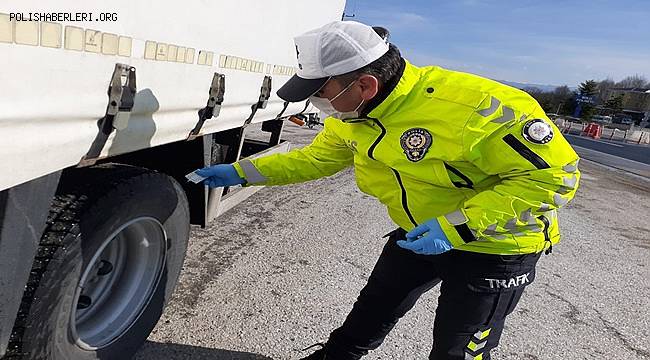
(603, 87)
(606, 84)
(562, 92)
(634, 81)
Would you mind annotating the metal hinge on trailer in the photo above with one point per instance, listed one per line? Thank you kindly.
(265, 94)
(275, 126)
(270, 125)
(284, 108)
(213, 107)
(121, 94)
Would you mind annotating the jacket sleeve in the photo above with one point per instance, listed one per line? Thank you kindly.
(325, 156)
(535, 178)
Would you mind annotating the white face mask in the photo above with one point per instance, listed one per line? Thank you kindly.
(327, 109)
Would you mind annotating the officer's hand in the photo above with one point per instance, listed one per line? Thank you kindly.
(426, 239)
(220, 175)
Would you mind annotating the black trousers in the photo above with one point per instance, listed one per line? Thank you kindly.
(477, 292)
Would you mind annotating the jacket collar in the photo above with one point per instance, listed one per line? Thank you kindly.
(394, 93)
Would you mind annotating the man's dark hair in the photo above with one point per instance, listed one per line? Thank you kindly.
(382, 32)
(384, 68)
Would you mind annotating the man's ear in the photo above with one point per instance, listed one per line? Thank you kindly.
(369, 86)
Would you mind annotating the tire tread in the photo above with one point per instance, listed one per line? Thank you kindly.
(69, 202)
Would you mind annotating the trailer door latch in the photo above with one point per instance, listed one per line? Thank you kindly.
(213, 107)
(265, 94)
(121, 95)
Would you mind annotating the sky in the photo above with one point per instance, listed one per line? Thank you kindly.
(548, 42)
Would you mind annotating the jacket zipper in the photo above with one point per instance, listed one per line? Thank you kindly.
(404, 198)
(525, 152)
(371, 149)
(397, 175)
(468, 183)
(547, 238)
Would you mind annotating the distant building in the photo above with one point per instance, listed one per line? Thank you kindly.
(636, 101)
(633, 99)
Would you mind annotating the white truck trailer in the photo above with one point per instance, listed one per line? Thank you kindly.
(104, 107)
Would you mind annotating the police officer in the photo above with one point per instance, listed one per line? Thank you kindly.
(471, 170)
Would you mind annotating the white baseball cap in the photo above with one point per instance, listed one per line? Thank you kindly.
(334, 49)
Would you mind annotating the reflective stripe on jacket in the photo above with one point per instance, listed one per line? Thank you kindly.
(451, 146)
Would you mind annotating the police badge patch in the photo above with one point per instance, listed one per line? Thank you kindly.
(537, 131)
(415, 143)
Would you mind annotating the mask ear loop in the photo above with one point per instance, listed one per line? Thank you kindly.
(321, 87)
(344, 90)
(358, 106)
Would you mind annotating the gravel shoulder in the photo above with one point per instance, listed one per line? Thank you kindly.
(278, 272)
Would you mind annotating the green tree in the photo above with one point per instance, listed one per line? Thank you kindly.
(543, 98)
(588, 88)
(615, 104)
(556, 101)
(562, 92)
(562, 100)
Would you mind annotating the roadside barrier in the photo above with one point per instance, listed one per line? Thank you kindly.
(568, 125)
(598, 131)
(643, 137)
(593, 130)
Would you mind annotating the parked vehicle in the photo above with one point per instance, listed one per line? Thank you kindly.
(602, 119)
(94, 208)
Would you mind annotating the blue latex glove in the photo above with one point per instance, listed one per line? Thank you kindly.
(220, 175)
(426, 239)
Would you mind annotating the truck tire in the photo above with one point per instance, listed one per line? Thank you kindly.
(107, 264)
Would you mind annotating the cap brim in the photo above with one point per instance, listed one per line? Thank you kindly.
(299, 89)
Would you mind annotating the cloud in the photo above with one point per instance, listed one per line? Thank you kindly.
(395, 20)
(424, 59)
(543, 59)
(581, 60)
(525, 42)
(409, 18)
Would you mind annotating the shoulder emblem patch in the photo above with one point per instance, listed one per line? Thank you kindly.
(415, 143)
(537, 131)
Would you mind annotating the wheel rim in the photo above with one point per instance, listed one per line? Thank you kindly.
(118, 282)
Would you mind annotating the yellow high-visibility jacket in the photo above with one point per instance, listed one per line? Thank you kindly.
(479, 156)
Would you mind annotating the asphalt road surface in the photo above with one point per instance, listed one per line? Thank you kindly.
(278, 272)
(636, 152)
(631, 158)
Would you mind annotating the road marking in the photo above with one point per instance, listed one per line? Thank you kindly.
(630, 166)
(608, 143)
(611, 156)
(594, 140)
